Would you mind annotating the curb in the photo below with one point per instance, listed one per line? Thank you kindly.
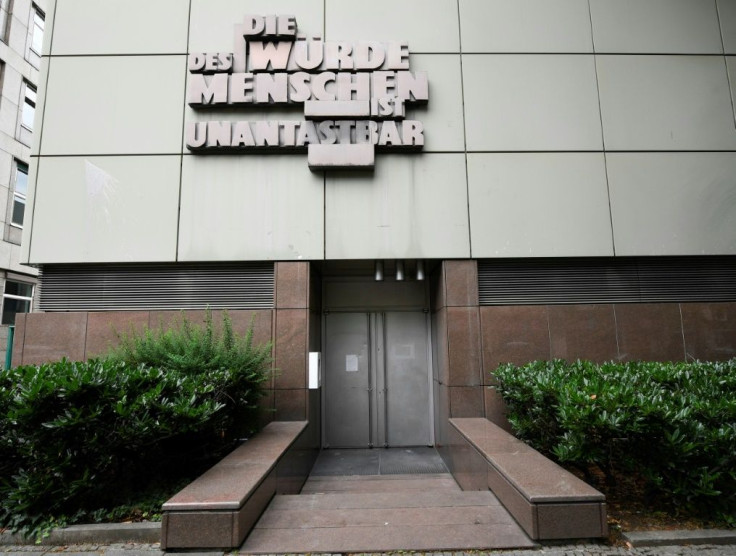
(147, 532)
(680, 537)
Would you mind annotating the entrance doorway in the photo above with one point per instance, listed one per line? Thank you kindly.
(377, 380)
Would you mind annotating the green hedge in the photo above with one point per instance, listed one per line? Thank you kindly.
(80, 440)
(672, 423)
(202, 351)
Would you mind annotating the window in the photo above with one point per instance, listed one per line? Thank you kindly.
(4, 19)
(36, 28)
(17, 298)
(19, 194)
(29, 108)
(34, 38)
(27, 114)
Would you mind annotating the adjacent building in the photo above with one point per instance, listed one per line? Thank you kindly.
(22, 25)
(418, 190)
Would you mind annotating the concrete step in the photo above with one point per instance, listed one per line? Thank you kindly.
(402, 519)
(381, 483)
(386, 514)
(383, 500)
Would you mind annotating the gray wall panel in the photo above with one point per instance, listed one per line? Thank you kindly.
(655, 26)
(114, 105)
(539, 205)
(49, 24)
(106, 209)
(427, 25)
(531, 103)
(493, 26)
(673, 203)
(159, 27)
(412, 206)
(665, 103)
(254, 207)
(727, 18)
(731, 69)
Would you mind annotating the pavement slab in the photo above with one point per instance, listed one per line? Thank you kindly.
(557, 550)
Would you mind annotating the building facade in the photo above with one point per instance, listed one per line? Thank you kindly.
(418, 190)
(21, 39)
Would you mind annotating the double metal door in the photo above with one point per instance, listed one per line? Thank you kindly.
(376, 380)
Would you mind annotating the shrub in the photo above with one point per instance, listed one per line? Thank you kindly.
(674, 423)
(78, 440)
(204, 351)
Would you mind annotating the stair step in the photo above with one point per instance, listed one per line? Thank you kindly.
(380, 483)
(385, 539)
(383, 500)
(369, 515)
(384, 521)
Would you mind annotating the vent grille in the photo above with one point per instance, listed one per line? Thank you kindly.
(610, 280)
(156, 287)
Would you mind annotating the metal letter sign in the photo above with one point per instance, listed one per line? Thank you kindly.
(355, 96)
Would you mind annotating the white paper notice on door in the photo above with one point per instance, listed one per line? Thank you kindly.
(351, 363)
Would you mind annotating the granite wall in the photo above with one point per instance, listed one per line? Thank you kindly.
(471, 341)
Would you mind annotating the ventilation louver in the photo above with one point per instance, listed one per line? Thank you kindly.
(609, 280)
(156, 287)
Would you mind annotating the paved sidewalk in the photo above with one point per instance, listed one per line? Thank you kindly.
(566, 550)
